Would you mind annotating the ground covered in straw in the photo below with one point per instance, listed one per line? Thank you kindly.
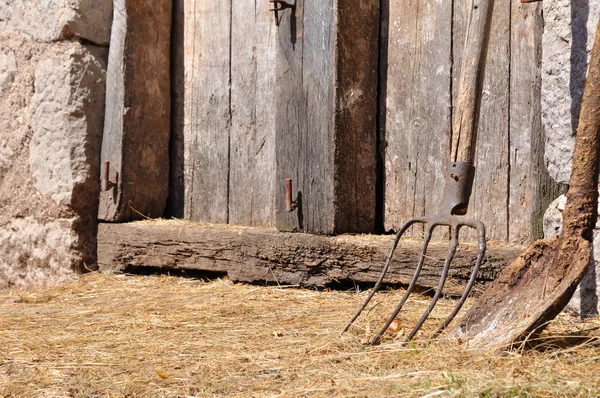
(153, 336)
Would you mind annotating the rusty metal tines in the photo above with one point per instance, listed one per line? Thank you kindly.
(280, 5)
(291, 204)
(458, 183)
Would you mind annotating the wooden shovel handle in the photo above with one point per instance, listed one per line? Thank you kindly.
(466, 118)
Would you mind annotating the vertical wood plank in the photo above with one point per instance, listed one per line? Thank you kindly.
(207, 121)
(418, 108)
(290, 116)
(305, 118)
(491, 185)
(252, 160)
(525, 116)
(531, 187)
(176, 199)
(355, 161)
(316, 141)
(326, 110)
(137, 120)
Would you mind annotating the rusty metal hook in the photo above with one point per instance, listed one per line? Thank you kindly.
(291, 204)
(106, 183)
(280, 5)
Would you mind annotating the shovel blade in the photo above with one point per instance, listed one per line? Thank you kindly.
(526, 296)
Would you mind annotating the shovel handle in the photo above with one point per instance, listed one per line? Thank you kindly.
(466, 117)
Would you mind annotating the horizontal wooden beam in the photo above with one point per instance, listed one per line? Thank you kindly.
(267, 256)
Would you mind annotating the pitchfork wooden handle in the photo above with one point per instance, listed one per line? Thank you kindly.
(466, 118)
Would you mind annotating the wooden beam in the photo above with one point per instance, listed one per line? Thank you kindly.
(264, 255)
(138, 106)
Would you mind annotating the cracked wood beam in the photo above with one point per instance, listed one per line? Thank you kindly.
(266, 256)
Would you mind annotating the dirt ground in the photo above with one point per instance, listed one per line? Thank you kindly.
(162, 336)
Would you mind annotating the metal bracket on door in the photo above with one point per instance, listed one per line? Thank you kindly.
(280, 5)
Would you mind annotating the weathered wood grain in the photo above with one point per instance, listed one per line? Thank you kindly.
(207, 108)
(326, 96)
(490, 190)
(264, 255)
(252, 136)
(355, 115)
(466, 115)
(176, 199)
(418, 130)
(531, 188)
(137, 119)
(290, 116)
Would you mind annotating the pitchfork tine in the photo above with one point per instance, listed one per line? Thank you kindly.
(411, 286)
(401, 232)
(463, 298)
(438, 292)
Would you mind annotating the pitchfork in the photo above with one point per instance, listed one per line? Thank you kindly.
(459, 176)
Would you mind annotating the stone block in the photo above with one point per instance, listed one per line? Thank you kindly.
(67, 118)
(32, 253)
(51, 122)
(52, 20)
(8, 70)
(567, 42)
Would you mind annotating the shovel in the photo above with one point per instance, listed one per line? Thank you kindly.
(536, 287)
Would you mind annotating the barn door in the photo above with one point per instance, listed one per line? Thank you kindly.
(326, 99)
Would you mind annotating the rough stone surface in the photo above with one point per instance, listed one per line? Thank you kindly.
(51, 112)
(585, 299)
(52, 20)
(33, 253)
(8, 70)
(567, 42)
(67, 122)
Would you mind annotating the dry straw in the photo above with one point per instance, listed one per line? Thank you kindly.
(161, 336)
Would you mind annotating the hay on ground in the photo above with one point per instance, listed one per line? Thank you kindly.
(148, 336)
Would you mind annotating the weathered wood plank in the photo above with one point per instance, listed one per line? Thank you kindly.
(176, 199)
(290, 116)
(418, 108)
(531, 187)
(207, 109)
(252, 159)
(326, 96)
(491, 185)
(259, 255)
(137, 120)
(355, 115)
(525, 117)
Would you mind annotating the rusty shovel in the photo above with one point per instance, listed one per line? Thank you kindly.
(536, 287)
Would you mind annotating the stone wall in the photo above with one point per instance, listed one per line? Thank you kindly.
(53, 58)
(569, 30)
